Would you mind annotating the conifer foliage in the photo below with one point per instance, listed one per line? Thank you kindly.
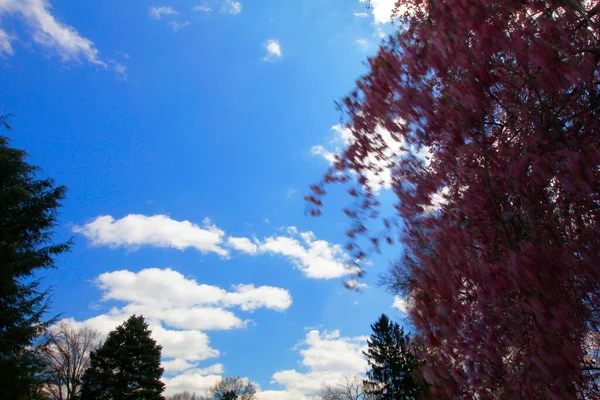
(126, 366)
(392, 368)
(28, 213)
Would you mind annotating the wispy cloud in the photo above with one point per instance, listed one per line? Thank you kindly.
(49, 33)
(360, 14)
(232, 7)
(160, 11)
(178, 25)
(201, 8)
(5, 43)
(362, 43)
(273, 49)
(119, 69)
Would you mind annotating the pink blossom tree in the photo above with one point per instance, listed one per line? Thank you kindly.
(502, 97)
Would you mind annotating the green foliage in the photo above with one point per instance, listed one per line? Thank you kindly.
(126, 366)
(393, 369)
(28, 213)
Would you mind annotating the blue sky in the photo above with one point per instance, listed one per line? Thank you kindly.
(187, 133)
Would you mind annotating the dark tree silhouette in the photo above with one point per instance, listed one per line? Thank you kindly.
(28, 213)
(393, 369)
(126, 366)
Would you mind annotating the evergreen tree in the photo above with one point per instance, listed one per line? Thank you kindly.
(28, 212)
(126, 366)
(393, 369)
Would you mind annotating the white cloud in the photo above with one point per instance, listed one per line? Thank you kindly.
(290, 192)
(273, 49)
(329, 357)
(362, 43)
(191, 381)
(137, 230)
(315, 258)
(194, 318)
(355, 284)
(378, 171)
(166, 289)
(400, 304)
(250, 298)
(382, 10)
(360, 14)
(437, 200)
(232, 7)
(178, 25)
(120, 70)
(319, 150)
(190, 345)
(243, 244)
(178, 310)
(202, 8)
(177, 365)
(5, 43)
(49, 32)
(159, 12)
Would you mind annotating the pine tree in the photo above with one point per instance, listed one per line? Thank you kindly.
(28, 212)
(126, 366)
(392, 373)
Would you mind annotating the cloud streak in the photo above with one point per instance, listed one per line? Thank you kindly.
(51, 34)
(233, 7)
(159, 12)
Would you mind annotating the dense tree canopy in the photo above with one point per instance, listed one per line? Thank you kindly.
(28, 213)
(493, 111)
(126, 366)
